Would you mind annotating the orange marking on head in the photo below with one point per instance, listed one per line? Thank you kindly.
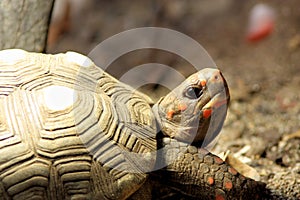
(210, 180)
(207, 113)
(228, 185)
(182, 107)
(170, 114)
(220, 103)
(203, 83)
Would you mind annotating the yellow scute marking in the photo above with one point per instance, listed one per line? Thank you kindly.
(58, 97)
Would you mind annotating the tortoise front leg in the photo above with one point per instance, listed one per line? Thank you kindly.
(197, 174)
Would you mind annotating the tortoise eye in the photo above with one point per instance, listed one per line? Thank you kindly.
(193, 92)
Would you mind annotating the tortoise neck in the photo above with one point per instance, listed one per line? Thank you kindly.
(162, 124)
(155, 109)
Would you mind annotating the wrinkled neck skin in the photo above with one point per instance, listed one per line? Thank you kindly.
(198, 116)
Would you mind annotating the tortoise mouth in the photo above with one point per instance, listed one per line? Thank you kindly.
(215, 97)
(210, 103)
(216, 101)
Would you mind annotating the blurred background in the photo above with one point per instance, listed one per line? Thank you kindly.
(253, 54)
(256, 44)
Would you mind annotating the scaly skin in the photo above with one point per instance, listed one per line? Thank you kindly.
(198, 174)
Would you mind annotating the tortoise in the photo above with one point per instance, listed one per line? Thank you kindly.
(69, 130)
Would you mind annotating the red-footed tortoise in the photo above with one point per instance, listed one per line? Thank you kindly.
(68, 130)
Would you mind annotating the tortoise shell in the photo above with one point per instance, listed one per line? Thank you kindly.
(68, 130)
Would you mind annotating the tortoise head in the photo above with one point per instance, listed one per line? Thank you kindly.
(194, 112)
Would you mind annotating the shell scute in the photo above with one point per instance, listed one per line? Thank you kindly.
(64, 109)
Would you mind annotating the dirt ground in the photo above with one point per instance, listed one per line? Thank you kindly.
(262, 127)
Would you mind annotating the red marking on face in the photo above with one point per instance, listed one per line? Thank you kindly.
(220, 103)
(210, 180)
(232, 171)
(207, 113)
(203, 83)
(228, 185)
(182, 107)
(170, 114)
